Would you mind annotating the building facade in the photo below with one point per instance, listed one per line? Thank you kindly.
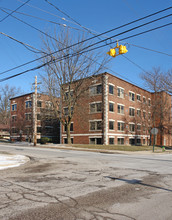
(111, 111)
(22, 119)
(114, 111)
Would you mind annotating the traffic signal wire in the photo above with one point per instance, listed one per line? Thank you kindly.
(156, 51)
(80, 53)
(29, 62)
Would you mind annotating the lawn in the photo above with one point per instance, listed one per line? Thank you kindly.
(117, 147)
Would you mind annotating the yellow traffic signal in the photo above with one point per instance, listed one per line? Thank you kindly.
(122, 49)
(112, 52)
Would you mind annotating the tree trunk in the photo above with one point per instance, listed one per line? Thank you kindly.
(68, 133)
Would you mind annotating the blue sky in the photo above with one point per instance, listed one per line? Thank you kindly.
(97, 15)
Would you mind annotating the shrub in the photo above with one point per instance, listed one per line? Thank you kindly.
(44, 140)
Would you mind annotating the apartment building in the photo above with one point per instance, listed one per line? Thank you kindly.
(114, 111)
(22, 118)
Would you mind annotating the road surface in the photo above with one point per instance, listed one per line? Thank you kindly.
(79, 185)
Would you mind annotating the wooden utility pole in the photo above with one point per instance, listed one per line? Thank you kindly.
(35, 114)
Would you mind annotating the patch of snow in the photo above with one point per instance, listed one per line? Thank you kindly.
(7, 161)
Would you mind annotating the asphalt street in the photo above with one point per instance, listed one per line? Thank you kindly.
(65, 184)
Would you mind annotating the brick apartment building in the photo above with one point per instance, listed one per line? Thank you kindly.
(22, 120)
(111, 111)
(114, 111)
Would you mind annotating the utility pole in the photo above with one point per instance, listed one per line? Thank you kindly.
(35, 114)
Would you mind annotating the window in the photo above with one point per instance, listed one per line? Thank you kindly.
(149, 116)
(120, 109)
(95, 125)
(39, 129)
(144, 100)
(144, 128)
(111, 125)
(138, 141)
(95, 140)
(14, 107)
(66, 112)
(28, 104)
(39, 104)
(111, 89)
(131, 111)
(111, 107)
(138, 112)
(14, 118)
(144, 114)
(120, 126)
(28, 116)
(149, 102)
(49, 105)
(120, 141)
(95, 107)
(120, 92)
(132, 127)
(138, 127)
(111, 140)
(68, 95)
(38, 117)
(71, 127)
(95, 90)
(13, 130)
(131, 96)
(138, 97)
(144, 141)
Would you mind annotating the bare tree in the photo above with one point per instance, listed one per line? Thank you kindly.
(6, 92)
(160, 103)
(167, 81)
(64, 79)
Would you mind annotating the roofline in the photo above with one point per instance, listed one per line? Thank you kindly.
(127, 82)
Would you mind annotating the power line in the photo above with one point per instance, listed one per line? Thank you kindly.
(98, 35)
(76, 22)
(27, 46)
(30, 25)
(32, 6)
(42, 19)
(156, 51)
(14, 10)
(81, 52)
(134, 63)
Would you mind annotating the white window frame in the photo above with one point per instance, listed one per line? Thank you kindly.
(121, 122)
(111, 120)
(113, 106)
(139, 100)
(133, 111)
(121, 93)
(138, 109)
(131, 124)
(93, 93)
(119, 104)
(110, 84)
(96, 120)
(95, 103)
(131, 96)
(30, 105)
(15, 107)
